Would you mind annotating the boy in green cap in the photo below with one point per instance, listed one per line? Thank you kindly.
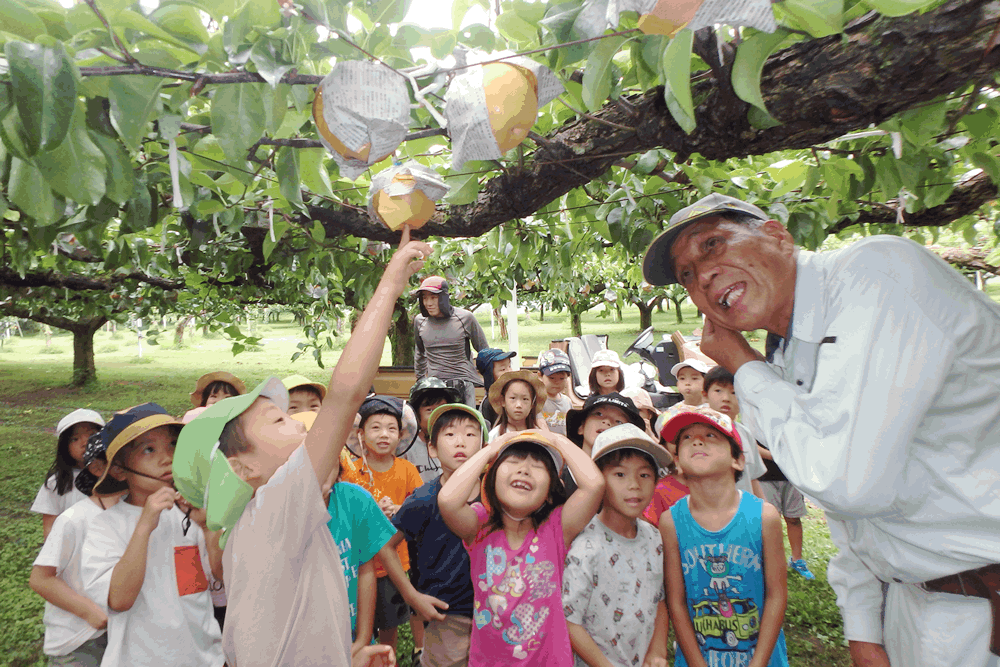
(257, 473)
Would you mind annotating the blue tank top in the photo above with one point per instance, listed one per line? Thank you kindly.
(724, 582)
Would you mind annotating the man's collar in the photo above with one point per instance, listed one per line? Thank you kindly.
(807, 311)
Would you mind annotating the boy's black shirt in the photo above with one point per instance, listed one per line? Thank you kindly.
(439, 563)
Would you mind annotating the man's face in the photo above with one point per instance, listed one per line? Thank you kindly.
(741, 278)
(430, 302)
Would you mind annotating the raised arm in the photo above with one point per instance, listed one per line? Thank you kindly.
(358, 363)
(452, 500)
(586, 500)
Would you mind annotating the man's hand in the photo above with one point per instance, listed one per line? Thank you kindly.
(728, 348)
(428, 605)
(865, 654)
(378, 655)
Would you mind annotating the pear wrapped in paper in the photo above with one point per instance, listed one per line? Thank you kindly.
(362, 113)
(667, 17)
(491, 107)
(405, 195)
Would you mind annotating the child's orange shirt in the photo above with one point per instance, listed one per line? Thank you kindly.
(398, 482)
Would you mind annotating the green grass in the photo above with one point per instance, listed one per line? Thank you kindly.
(34, 392)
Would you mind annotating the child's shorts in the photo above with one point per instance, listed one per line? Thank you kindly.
(88, 654)
(786, 498)
(391, 611)
(446, 643)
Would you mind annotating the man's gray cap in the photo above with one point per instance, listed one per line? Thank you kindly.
(657, 266)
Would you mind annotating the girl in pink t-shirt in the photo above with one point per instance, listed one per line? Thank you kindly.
(517, 540)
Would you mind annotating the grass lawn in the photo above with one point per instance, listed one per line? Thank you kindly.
(34, 396)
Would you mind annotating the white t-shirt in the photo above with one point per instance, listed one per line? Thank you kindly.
(172, 621)
(428, 466)
(753, 464)
(288, 601)
(49, 502)
(63, 549)
(612, 586)
(554, 410)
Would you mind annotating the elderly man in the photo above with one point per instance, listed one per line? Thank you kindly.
(880, 400)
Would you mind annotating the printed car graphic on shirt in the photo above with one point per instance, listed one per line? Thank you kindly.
(741, 625)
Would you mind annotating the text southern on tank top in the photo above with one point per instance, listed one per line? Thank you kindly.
(724, 584)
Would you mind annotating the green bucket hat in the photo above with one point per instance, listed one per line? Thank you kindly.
(460, 407)
(202, 474)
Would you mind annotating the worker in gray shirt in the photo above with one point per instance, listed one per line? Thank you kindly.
(443, 338)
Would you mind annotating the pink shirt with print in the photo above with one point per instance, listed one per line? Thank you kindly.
(518, 616)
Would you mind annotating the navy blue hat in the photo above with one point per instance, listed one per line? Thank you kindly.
(95, 450)
(485, 360)
(125, 427)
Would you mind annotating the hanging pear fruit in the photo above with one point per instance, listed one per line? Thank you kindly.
(492, 107)
(405, 195)
(362, 113)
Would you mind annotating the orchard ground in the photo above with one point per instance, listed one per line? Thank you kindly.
(33, 387)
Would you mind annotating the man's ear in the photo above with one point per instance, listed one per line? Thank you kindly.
(432, 450)
(777, 231)
(739, 463)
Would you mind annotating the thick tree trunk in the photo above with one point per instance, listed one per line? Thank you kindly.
(677, 311)
(401, 335)
(645, 315)
(501, 322)
(84, 366)
(576, 322)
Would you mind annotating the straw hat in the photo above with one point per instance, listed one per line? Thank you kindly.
(496, 389)
(209, 378)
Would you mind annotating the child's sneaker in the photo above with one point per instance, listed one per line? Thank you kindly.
(802, 568)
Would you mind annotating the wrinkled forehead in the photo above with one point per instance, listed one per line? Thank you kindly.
(685, 236)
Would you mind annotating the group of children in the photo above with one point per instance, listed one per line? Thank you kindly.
(520, 544)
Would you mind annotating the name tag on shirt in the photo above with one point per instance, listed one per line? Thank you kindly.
(191, 577)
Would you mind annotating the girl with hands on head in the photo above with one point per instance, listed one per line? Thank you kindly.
(517, 540)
